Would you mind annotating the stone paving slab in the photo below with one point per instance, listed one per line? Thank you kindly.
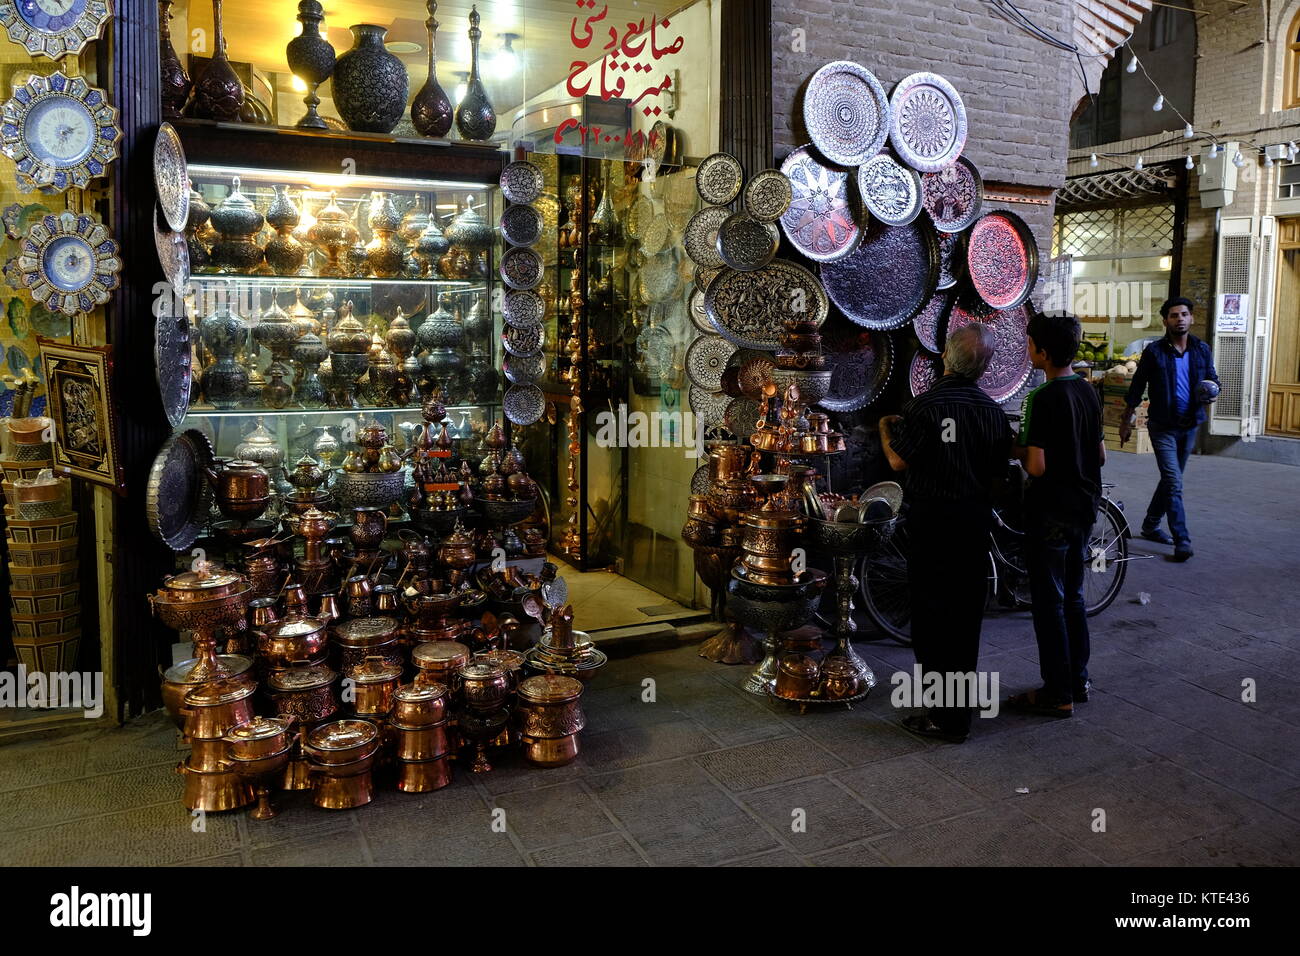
(707, 774)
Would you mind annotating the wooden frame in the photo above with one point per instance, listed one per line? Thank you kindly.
(79, 390)
(1291, 83)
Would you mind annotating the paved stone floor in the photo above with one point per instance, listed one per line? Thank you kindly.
(1185, 771)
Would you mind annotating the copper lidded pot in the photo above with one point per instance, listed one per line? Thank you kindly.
(549, 719)
(357, 639)
(304, 692)
(418, 705)
(340, 742)
(484, 684)
(179, 679)
(421, 743)
(260, 737)
(439, 662)
(212, 710)
(292, 639)
(374, 683)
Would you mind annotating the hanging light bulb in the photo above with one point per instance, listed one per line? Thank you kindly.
(506, 61)
(1291, 152)
(1132, 65)
(1092, 161)
(1214, 151)
(1189, 162)
(1238, 160)
(1268, 161)
(1188, 132)
(1159, 104)
(1138, 164)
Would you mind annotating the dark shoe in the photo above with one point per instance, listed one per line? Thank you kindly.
(1183, 551)
(1032, 702)
(923, 726)
(1080, 694)
(1158, 536)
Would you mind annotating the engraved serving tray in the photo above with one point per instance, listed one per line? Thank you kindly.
(889, 277)
(178, 496)
(751, 308)
(820, 221)
(954, 195)
(927, 122)
(1002, 259)
(846, 112)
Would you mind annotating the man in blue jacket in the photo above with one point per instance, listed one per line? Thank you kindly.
(1170, 371)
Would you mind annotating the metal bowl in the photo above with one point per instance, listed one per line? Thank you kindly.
(850, 537)
(368, 489)
(505, 512)
(813, 384)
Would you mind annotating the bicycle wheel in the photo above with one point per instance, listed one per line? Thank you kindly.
(1107, 558)
(882, 582)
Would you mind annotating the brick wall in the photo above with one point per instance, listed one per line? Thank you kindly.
(1015, 87)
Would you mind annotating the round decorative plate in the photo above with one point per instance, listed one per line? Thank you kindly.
(657, 147)
(523, 308)
(178, 496)
(819, 222)
(69, 262)
(751, 308)
(927, 122)
(846, 112)
(517, 340)
(523, 369)
(654, 235)
(173, 253)
(953, 196)
(890, 191)
(709, 407)
(1002, 259)
(741, 417)
(888, 278)
(659, 277)
(701, 238)
(768, 195)
(746, 243)
(521, 268)
(718, 178)
(521, 225)
(524, 404)
(706, 274)
(522, 182)
(700, 482)
(642, 212)
(860, 362)
(171, 177)
(1010, 365)
(929, 322)
(699, 315)
(172, 357)
(706, 359)
(924, 371)
(54, 28)
(952, 258)
(60, 131)
(656, 349)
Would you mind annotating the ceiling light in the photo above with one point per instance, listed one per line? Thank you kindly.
(1190, 163)
(506, 62)
(1188, 132)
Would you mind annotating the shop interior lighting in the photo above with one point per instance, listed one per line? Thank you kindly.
(506, 62)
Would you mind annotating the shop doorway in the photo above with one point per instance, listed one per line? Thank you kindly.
(1283, 416)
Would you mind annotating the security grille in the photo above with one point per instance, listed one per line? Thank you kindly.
(1087, 233)
(1231, 363)
(1146, 227)
(1264, 291)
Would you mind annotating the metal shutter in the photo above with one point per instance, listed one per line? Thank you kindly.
(1232, 351)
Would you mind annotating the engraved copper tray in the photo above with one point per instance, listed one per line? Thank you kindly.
(1010, 366)
(954, 195)
(750, 308)
(178, 495)
(172, 358)
(820, 222)
(860, 362)
(1002, 259)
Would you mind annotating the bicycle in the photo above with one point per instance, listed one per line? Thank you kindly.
(882, 575)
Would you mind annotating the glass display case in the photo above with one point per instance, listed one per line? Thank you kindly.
(322, 303)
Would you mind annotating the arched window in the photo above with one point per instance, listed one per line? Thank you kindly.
(1291, 91)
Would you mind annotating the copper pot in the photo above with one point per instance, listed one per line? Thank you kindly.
(421, 743)
(359, 589)
(292, 639)
(212, 710)
(512, 661)
(699, 508)
(548, 706)
(730, 498)
(295, 600)
(341, 742)
(484, 686)
(375, 682)
(727, 462)
(439, 662)
(386, 601)
(345, 786)
(839, 679)
(418, 705)
(549, 751)
(766, 439)
(423, 776)
(243, 489)
(306, 693)
(796, 677)
(770, 536)
(813, 442)
(262, 613)
(209, 756)
(179, 680)
(215, 791)
(369, 525)
(260, 737)
(364, 637)
(264, 575)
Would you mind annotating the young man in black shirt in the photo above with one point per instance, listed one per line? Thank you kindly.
(954, 442)
(1062, 448)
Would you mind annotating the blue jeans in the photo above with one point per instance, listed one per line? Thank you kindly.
(1171, 449)
(1057, 561)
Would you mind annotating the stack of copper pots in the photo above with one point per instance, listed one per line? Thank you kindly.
(211, 711)
(259, 751)
(549, 719)
(770, 536)
(484, 691)
(422, 735)
(307, 693)
(562, 650)
(439, 662)
(180, 679)
(342, 755)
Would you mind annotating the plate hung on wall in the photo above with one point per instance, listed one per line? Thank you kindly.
(889, 277)
(928, 122)
(846, 113)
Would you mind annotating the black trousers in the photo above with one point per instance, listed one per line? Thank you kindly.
(948, 575)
